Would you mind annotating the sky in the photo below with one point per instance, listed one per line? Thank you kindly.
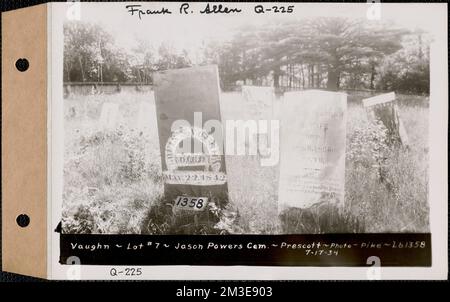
(190, 31)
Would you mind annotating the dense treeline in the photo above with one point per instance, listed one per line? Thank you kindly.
(331, 53)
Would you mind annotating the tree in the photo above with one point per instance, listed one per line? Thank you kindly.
(407, 70)
(330, 53)
(321, 49)
(237, 59)
(90, 54)
(169, 58)
(341, 44)
(143, 62)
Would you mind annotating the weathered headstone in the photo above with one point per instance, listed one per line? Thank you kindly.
(181, 95)
(145, 110)
(383, 108)
(259, 101)
(312, 155)
(109, 116)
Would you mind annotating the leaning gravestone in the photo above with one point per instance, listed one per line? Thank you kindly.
(383, 108)
(312, 155)
(196, 175)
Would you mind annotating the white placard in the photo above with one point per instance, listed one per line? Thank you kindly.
(379, 99)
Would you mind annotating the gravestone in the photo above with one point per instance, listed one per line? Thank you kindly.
(109, 116)
(259, 101)
(145, 110)
(312, 151)
(383, 108)
(253, 173)
(198, 170)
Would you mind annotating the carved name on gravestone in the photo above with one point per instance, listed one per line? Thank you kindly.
(192, 157)
(383, 108)
(312, 160)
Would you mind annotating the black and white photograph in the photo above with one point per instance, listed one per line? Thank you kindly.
(224, 141)
(244, 134)
(322, 124)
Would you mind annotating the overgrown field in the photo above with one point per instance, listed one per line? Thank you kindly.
(112, 175)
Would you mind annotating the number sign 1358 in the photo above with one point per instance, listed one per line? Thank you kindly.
(191, 203)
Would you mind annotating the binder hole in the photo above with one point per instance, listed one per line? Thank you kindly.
(22, 65)
(23, 220)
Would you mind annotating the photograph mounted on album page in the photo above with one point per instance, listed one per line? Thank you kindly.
(219, 141)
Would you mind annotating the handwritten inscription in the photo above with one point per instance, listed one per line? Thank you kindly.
(260, 9)
(135, 10)
(314, 248)
(219, 9)
(209, 9)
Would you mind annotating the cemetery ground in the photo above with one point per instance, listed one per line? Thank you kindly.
(112, 176)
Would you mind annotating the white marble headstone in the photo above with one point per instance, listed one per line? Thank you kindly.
(312, 151)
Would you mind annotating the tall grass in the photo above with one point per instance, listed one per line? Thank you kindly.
(112, 178)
